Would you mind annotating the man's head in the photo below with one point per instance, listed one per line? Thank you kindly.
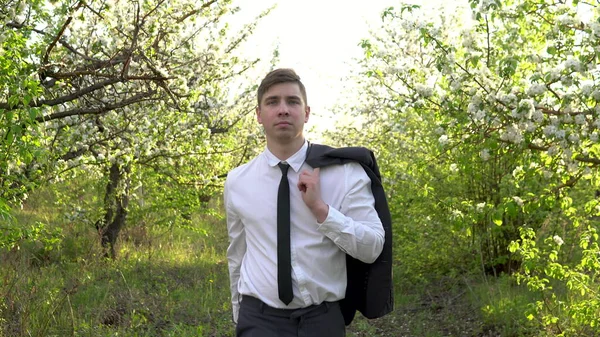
(282, 108)
(277, 76)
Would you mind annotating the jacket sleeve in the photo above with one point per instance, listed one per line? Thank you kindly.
(355, 228)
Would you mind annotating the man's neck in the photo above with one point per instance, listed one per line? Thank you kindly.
(283, 151)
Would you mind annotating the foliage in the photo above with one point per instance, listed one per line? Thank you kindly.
(569, 301)
(485, 127)
(167, 281)
(152, 91)
(166, 284)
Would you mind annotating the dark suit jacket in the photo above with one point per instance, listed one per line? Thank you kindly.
(370, 286)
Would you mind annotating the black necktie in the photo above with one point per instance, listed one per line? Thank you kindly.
(284, 260)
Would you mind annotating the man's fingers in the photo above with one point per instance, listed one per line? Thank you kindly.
(308, 178)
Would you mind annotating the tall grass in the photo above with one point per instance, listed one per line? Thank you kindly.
(166, 282)
(173, 281)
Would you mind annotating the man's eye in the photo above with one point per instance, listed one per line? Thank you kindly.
(271, 102)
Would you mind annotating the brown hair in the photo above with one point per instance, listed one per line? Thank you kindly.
(277, 76)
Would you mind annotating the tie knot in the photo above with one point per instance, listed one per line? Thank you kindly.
(284, 167)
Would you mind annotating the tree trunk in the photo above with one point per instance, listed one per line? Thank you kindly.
(116, 200)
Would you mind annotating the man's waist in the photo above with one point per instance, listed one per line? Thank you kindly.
(314, 309)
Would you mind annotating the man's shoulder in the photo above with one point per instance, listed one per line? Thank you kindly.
(240, 170)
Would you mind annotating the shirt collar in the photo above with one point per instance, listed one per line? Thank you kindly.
(295, 161)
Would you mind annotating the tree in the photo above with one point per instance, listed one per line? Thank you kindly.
(490, 130)
(125, 92)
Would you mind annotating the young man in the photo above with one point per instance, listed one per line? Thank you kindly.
(290, 226)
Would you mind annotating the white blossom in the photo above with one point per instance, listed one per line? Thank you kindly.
(573, 64)
(472, 108)
(559, 241)
(484, 154)
(518, 200)
(514, 113)
(529, 126)
(512, 134)
(424, 90)
(553, 150)
(595, 27)
(536, 89)
(572, 167)
(479, 115)
(566, 81)
(554, 74)
(443, 139)
(587, 89)
(537, 116)
(527, 106)
(517, 171)
(455, 85)
(457, 214)
(566, 19)
(574, 138)
(468, 39)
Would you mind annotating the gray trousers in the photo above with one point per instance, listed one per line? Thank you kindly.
(256, 319)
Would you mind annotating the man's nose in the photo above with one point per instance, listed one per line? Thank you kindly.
(283, 109)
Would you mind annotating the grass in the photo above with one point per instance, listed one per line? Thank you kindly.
(166, 282)
(174, 282)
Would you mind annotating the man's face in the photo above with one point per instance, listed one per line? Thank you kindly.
(283, 112)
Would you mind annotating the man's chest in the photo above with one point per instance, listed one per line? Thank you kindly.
(254, 197)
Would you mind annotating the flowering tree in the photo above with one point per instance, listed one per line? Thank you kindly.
(144, 96)
(488, 130)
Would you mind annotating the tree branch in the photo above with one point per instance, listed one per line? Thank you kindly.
(56, 39)
(97, 110)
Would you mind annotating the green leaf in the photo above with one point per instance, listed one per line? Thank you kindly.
(511, 209)
(32, 114)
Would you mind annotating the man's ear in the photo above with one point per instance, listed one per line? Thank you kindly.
(306, 113)
(258, 118)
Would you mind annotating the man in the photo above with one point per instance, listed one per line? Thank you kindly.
(290, 226)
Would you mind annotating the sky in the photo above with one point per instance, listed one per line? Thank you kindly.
(317, 38)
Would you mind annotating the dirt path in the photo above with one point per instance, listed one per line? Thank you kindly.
(438, 314)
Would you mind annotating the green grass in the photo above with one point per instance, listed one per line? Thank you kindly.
(174, 282)
(166, 282)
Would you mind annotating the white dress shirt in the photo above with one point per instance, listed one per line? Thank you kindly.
(318, 250)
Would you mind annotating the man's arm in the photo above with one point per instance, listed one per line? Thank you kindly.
(355, 228)
(235, 252)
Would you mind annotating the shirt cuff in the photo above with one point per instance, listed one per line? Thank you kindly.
(236, 312)
(333, 225)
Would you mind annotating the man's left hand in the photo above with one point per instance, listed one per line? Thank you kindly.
(309, 183)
